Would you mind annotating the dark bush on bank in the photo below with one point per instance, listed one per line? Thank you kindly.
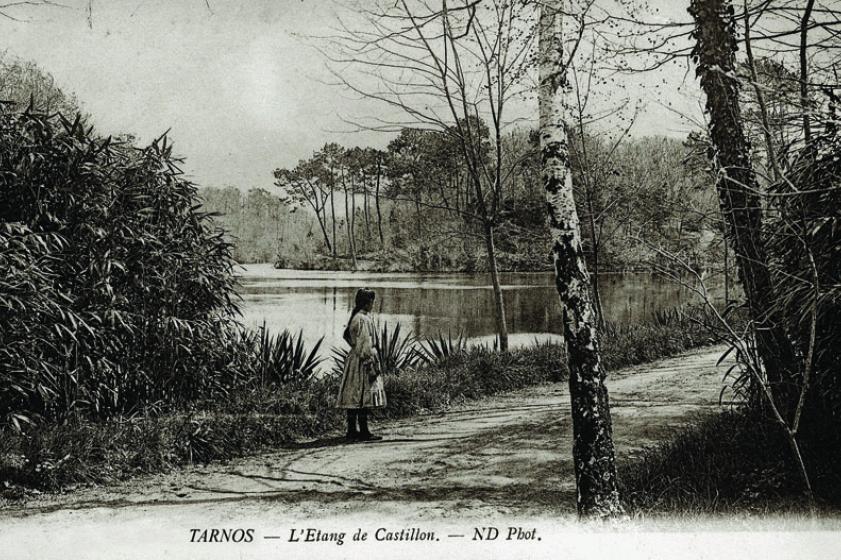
(804, 241)
(666, 333)
(116, 293)
(735, 461)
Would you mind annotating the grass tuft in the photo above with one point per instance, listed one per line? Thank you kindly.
(737, 461)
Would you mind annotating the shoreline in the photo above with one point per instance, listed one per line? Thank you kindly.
(403, 271)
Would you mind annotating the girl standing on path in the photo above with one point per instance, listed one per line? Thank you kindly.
(362, 386)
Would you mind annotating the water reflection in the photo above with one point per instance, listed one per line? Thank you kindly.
(319, 302)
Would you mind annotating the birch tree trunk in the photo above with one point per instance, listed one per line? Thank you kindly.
(593, 452)
(738, 191)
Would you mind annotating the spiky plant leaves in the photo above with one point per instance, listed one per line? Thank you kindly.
(283, 358)
(395, 352)
(438, 351)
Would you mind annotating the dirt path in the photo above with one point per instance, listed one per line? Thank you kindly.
(507, 455)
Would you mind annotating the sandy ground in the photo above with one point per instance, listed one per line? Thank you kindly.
(506, 457)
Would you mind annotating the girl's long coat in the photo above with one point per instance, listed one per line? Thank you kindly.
(358, 389)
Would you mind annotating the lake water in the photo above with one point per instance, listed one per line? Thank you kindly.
(427, 304)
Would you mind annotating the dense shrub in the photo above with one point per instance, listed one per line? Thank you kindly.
(805, 246)
(666, 333)
(735, 461)
(30, 309)
(119, 291)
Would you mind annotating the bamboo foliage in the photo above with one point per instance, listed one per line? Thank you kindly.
(119, 292)
(804, 242)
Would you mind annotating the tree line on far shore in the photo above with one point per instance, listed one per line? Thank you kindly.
(407, 207)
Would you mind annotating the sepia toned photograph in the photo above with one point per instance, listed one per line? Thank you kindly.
(420, 279)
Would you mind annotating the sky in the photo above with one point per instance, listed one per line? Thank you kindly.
(239, 89)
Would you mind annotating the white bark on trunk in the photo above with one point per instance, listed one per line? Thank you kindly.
(593, 451)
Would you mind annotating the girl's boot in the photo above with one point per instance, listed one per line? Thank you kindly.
(364, 434)
(352, 433)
